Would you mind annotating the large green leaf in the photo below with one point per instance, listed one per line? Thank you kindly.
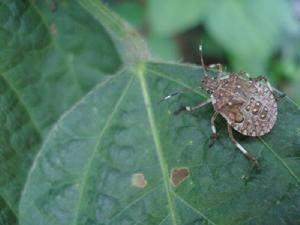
(82, 125)
(51, 55)
(85, 171)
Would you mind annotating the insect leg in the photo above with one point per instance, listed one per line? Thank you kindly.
(265, 79)
(192, 108)
(178, 92)
(244, 73)
(214, 134)
(250, 157)
(218, 66)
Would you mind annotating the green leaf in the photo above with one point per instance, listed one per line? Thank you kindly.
(133, 12)
(7, 215)
(92, 142)
(169, 17)
(52, 54)
(84, 172)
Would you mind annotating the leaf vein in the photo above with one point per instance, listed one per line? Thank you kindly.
(161, 160)
(149, 191)
(164, 219)
(9, 207)
(201, 214)
(87, 169)
(280, 159)
(25, 107)
(63, 115)
(175, 81)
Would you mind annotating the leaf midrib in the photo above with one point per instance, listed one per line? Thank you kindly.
(123, 34)
(162, 162)
(163, 165)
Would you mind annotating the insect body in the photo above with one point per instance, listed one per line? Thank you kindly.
(248, 104)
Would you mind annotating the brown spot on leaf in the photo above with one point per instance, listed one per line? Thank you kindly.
(138, 180)
(178, 175)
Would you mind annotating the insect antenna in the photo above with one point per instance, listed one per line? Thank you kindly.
(191, 88)
(178, 92)
(202, 61)
(170, 95)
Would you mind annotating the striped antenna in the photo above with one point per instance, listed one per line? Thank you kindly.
(202, 61)
(178, 93)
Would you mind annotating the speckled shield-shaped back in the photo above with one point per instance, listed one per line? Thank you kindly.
(248, 106)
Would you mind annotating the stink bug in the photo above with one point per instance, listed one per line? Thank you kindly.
(249, 105)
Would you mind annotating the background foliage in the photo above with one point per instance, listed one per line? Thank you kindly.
(84, 139)
(260, 36)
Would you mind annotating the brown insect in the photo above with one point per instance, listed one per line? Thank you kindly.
(249, 105)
